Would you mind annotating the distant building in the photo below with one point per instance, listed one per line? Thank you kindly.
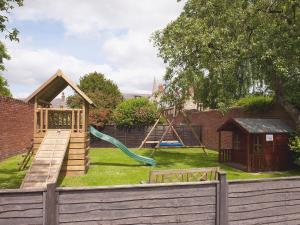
(158, 89)
(135, 95)
(59, 102)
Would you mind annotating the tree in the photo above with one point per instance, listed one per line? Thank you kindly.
(4, 90)
(5, 7)
(103, 92)
(226, 50)
(135, 112)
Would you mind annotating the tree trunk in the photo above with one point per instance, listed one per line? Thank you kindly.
(279, 98)
(291, 110)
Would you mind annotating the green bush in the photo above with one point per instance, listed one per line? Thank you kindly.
(135, 112)
(255, 102)
(294, 144)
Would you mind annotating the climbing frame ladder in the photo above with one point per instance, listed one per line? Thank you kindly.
(48, 161)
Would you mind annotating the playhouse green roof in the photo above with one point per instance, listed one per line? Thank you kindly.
(256, 126)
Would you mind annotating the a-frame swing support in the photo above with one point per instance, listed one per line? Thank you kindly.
(193, 131)
(175, 132)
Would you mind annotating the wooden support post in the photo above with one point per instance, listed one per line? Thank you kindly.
(150, 132)
(35, 116)
(50, 209)
(165, 133)
(78, 120)
(193, 131)
(73, 120)
(42, 120)
(220, 146)
(222, 200)
(177, 135)
(83, 118)
(46, 120)
(248, 153)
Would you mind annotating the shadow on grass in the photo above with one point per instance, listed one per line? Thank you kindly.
(115, 164)
(11, 178)
(193, 159)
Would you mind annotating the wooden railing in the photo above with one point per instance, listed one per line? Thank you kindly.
(232, 155)
(51, 118)
(258, 162)
(225, 155)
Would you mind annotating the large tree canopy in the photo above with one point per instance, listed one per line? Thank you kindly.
(227, 49)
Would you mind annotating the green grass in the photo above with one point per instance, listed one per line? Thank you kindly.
(10, 176)
(112, 167)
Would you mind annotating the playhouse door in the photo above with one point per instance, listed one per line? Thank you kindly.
(282, 155)
(270, 160)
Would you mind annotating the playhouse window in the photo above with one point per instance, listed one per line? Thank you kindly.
(257, 145)
(236, 142)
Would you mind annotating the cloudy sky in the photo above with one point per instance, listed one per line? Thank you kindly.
(108, 36)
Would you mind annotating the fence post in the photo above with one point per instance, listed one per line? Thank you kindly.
(222, 200)
(50, 214)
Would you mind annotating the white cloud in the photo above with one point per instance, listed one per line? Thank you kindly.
(87, 16)
(32, 67)
(129, 58)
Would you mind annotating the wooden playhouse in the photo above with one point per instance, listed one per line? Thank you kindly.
(256, 144)
(75, 121)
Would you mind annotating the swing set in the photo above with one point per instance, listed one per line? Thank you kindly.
(162, 143)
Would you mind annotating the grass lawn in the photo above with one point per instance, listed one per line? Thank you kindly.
(112, 167)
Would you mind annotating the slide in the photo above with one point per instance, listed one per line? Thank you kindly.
(123, 148)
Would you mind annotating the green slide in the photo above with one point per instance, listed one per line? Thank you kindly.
(124, 149)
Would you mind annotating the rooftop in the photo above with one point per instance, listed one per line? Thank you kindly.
(253, 125)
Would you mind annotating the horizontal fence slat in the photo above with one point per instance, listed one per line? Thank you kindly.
(189, 219)
(257, 185)
(146, 204)
(22, 221)
(201, 211)
(135, 194)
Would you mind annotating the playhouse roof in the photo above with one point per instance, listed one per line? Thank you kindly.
(53, 86)
(256, 126)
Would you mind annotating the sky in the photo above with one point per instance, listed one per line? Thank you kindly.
(78, 37)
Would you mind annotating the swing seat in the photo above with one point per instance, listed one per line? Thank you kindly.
(170, 144)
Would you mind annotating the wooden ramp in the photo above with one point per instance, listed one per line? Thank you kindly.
(47, 163)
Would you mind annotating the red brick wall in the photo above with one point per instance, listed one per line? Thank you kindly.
(16, 126)
(211, 120)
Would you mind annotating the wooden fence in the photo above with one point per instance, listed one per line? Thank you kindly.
(265, 201)
(133, 137)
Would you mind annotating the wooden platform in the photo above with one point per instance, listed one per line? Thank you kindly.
(48, 160)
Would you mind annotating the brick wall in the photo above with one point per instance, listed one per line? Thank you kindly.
(211, 120)
(16, 126)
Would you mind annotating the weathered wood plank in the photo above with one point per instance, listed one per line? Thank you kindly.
(25, 213)
(258, 185)
(136, 194)
(22, 221)
(20, 198)
(191, 219)
(266, 197)
(174, 219)
(75, 156)
(267, 212)
(287, 219)
(263, 192)
(145, 204)
(137, 213)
